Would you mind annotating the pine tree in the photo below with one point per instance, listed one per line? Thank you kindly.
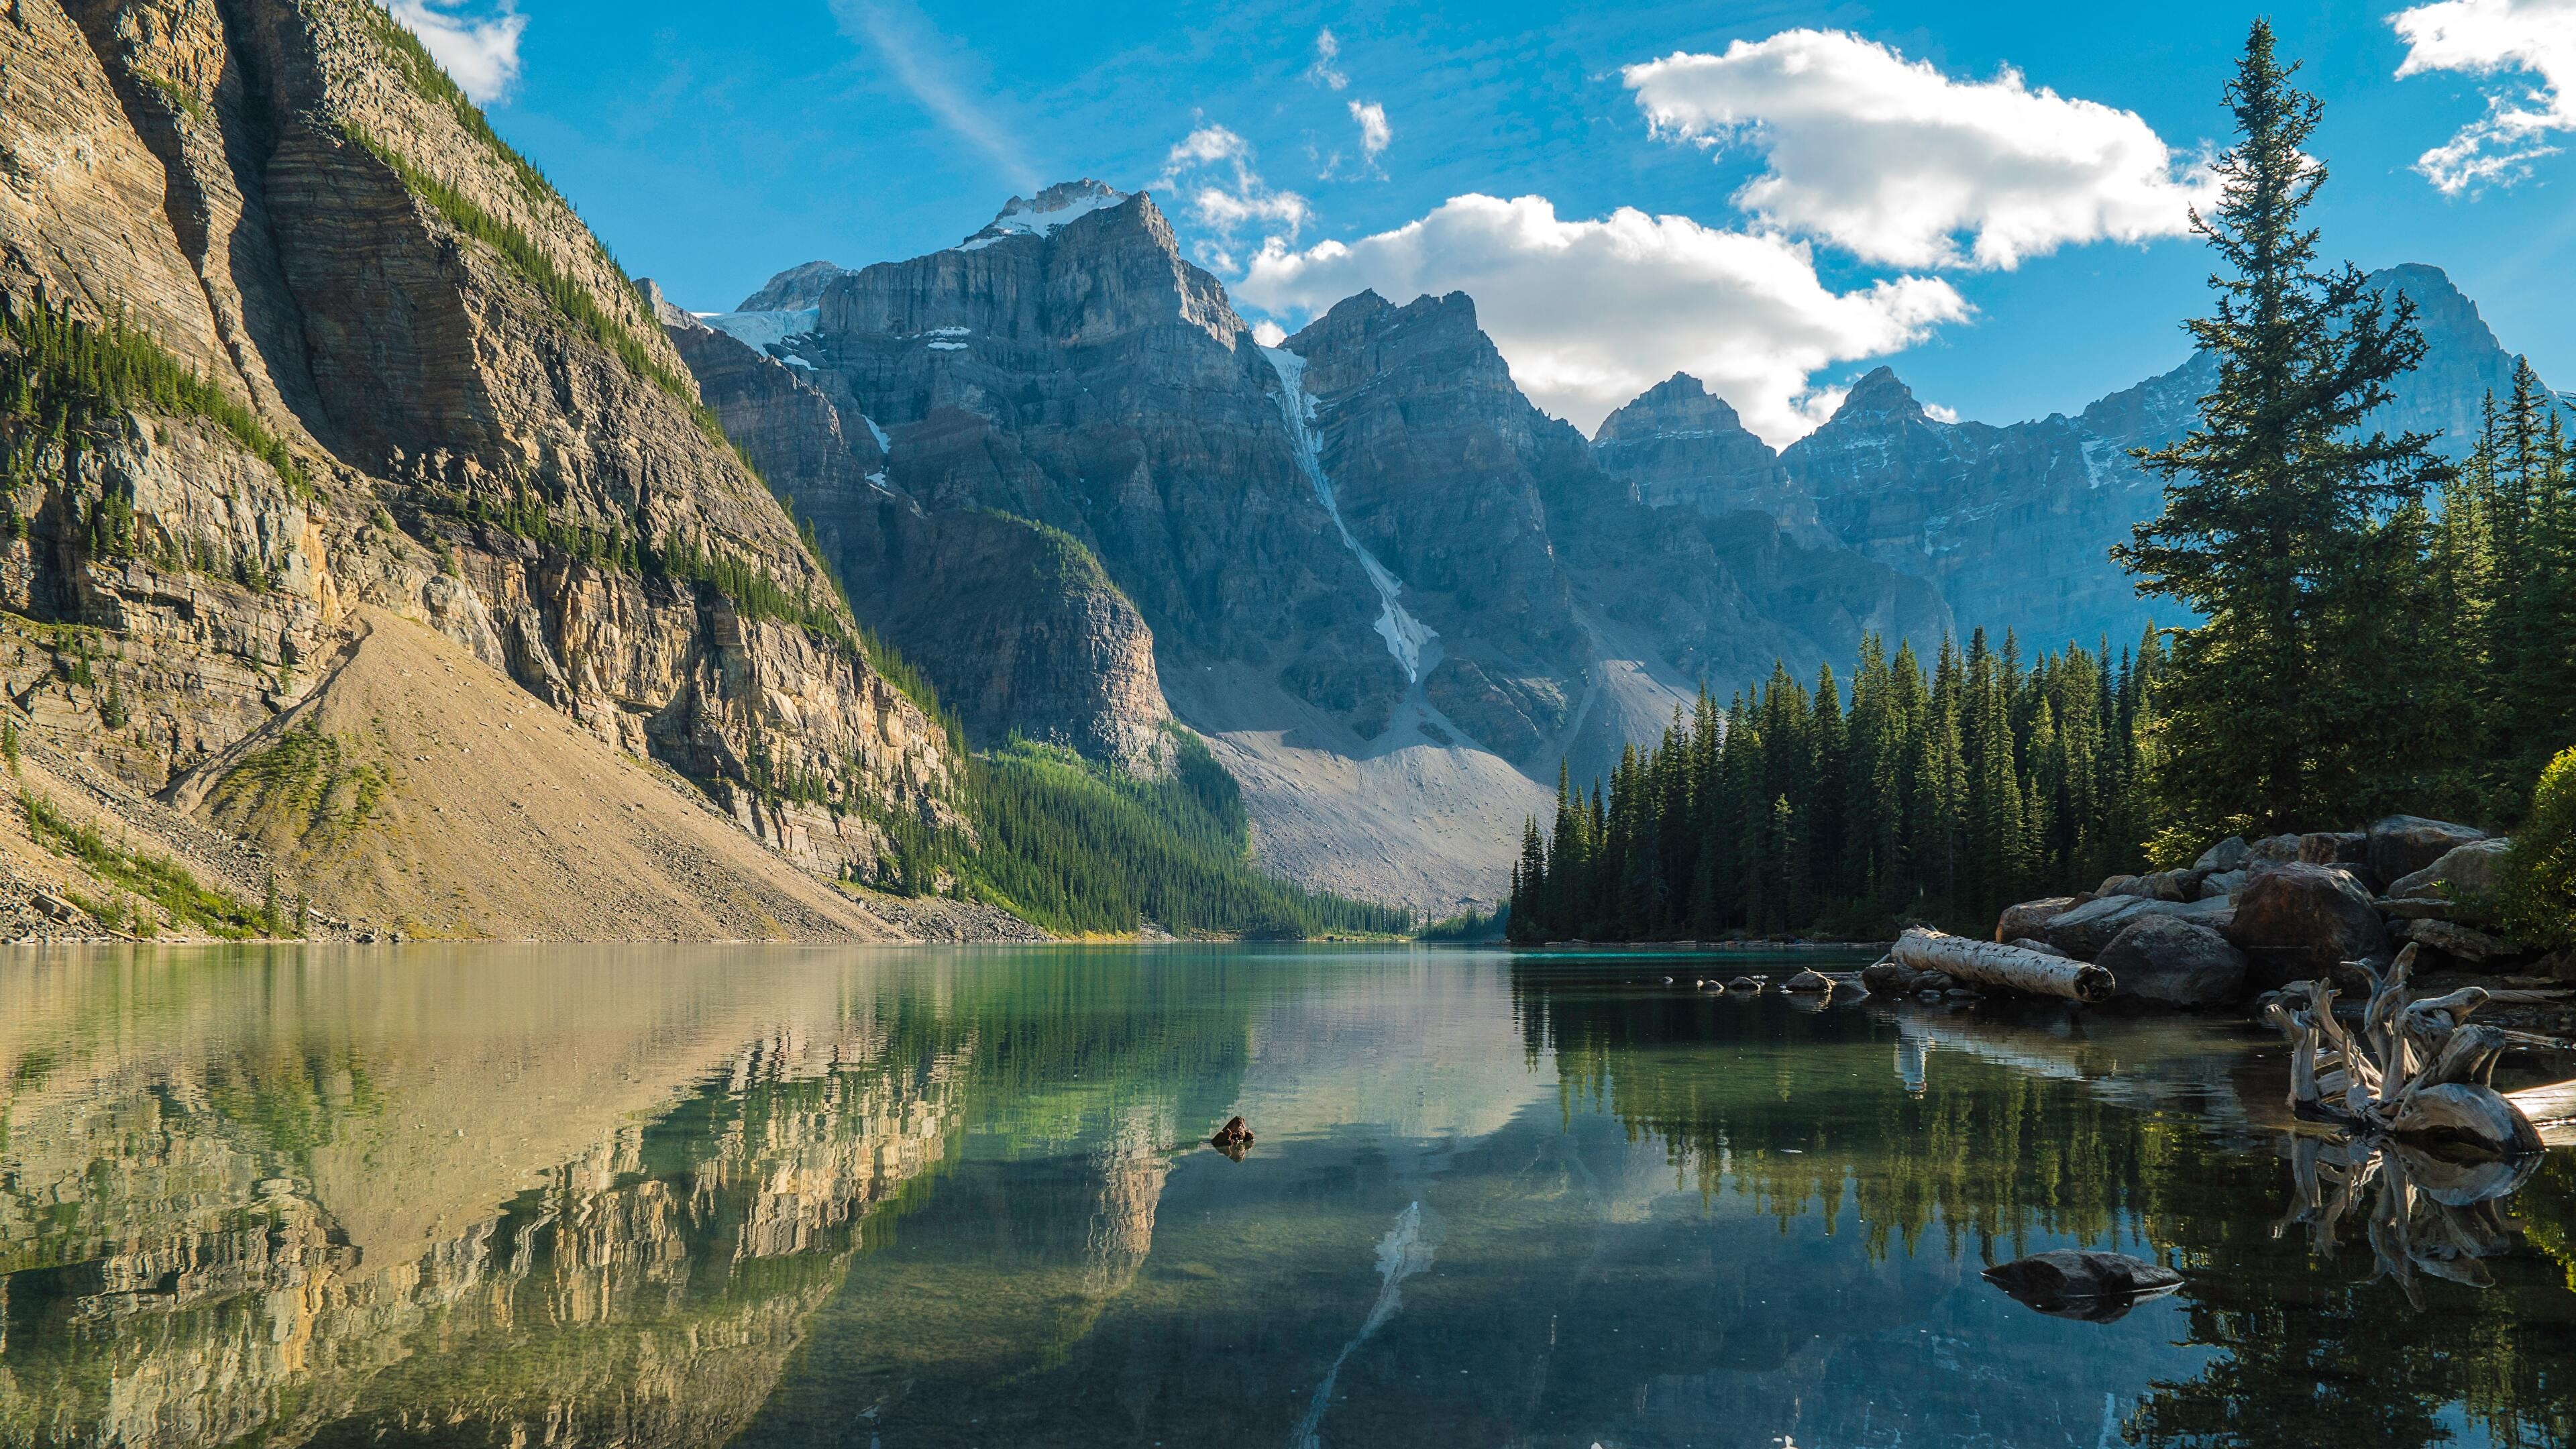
(2275, 515)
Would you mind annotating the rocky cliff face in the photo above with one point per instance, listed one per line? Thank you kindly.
(1541, 573)
(470, 418)
(1392, 592)
(1014, 622)
(2014, 524)
(1683, 447)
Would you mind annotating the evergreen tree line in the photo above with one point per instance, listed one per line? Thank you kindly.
(1085, 848)
(2378, 630)
(1937, 795)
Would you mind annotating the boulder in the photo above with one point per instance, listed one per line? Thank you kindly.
(2228, 854)
(2118, 885)
(1806, 981)
(2418, 908)
(2335, 847)
(1744, 983)
(2219, 885)
(2175, 962)
(1886, 976)
(2170, 885)
(2029, 917)
(2076, 1283)
(2301, 921)
(2465, 870)
(2083, 931)
(2273, 850)
(2404, 844)
(2462, 943)
(2033, 943)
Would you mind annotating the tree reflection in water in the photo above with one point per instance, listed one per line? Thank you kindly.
(769, 1198)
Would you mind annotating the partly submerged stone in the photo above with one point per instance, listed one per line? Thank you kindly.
(2080, 1283)
(2175, 962)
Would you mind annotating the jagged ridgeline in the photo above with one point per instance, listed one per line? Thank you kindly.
(316, 399)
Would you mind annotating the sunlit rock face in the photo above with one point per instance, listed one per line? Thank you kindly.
(488, 438)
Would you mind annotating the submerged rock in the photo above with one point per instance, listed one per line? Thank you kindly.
(2079, 1283)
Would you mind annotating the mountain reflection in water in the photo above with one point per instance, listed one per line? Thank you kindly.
(774, 1196)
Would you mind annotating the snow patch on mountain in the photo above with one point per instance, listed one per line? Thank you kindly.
(764, 330)
(1406, 636)
(1042, 214)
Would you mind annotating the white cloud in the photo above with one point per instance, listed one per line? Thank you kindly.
(1375, 133)
(1591, 313)
(2485, 37)
(1324, 72)
(1211, 168)
(480, 54)
(1939, 414)
(922, 60)
(1896, 162)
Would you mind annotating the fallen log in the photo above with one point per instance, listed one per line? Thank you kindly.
(1991, 963)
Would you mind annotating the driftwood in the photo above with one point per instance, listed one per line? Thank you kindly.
(2417, 1069)
(1990, 963)
(2431, 1216)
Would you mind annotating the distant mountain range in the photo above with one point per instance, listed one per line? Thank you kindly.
(1053, 465)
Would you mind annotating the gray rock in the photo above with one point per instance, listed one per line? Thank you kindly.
(2176, 963)
(2335, 847)
(2404, 844)
(2228, 854)
(2467, 870)
(2028, 918)
(2300, 921)
(2219, 885)
(2275, 850)
(2118, 885)
(2171, 885)
(1744, 983)
(2075, 1283)
(2033, 943)
(1806, 981)
(2083, 931)
(2418, 908)
(2463, 943)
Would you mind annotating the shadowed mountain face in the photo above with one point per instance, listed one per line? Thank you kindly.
(2013, 524)
(1392, 591)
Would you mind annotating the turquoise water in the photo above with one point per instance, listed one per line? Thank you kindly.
(781, 1196)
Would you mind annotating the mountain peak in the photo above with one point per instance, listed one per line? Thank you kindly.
(800, 286)
(1041, 214)
(1879, 395)
(1679, 405)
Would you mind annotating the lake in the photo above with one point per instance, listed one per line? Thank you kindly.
(788, 1196)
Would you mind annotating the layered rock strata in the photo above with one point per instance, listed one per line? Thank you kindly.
(472, 419)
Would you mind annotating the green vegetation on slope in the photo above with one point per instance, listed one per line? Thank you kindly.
(160, 881)
(63, 381)
(1084, 848)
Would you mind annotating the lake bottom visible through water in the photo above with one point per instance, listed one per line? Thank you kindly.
(923, 1196)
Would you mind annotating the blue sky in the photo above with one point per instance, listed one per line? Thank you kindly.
(713, 145)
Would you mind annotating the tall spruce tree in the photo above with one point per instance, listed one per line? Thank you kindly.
(2285, 526)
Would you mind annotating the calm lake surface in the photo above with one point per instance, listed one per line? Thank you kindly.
(773, 1196)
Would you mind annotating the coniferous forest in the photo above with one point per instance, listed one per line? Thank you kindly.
(2376, 630)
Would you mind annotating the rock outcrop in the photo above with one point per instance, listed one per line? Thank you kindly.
(425, 388)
